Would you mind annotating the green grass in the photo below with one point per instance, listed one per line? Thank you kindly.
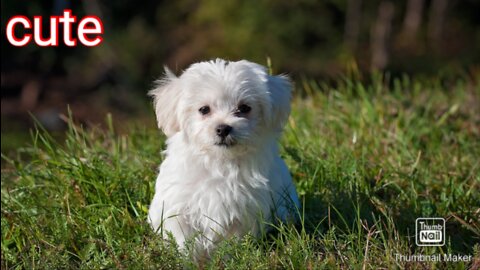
(367, 159)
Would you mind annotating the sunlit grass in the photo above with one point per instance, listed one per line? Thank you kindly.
(367, 159)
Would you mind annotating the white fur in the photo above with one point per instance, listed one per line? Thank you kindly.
(208, 192)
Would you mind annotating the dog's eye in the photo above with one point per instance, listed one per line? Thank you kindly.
(204, 110)
(244, 108)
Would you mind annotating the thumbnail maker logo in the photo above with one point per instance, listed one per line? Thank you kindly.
(430, 232)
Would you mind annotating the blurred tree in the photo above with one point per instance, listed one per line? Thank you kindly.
(412, 20)
(435, 24)
(352, 23)
(381, 32)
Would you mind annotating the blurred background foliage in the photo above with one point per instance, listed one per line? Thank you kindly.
(322, 40)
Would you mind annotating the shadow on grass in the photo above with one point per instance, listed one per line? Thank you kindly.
(346, 210)
(337, 196)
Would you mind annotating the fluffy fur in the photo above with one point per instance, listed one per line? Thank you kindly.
(216, 183)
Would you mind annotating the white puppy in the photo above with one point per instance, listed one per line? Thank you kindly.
(222, 175)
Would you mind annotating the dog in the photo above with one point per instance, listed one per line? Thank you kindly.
(222, 175)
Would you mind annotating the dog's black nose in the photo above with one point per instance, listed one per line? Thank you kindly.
(223, 130)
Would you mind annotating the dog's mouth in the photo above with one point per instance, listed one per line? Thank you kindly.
(226, 143)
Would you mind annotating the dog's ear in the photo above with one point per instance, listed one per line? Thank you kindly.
(280, 90)
(166, 95)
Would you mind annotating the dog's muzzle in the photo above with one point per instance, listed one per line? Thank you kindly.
(224, 135)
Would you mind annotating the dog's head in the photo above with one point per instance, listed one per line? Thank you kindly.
(223, 106)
